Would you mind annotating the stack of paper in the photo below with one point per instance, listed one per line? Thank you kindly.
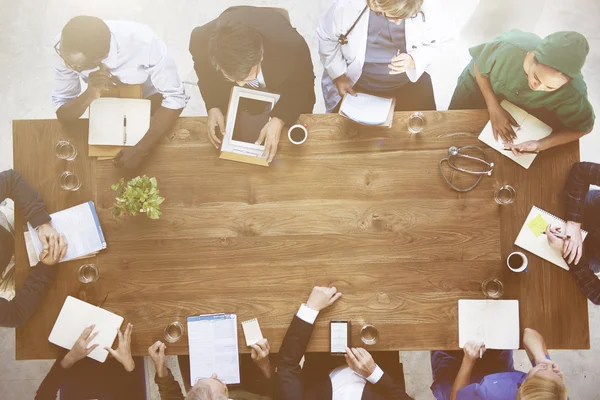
(531, 237)
(81, 227)
(493, 322)
(213, 345)
(75, 316)
(530, 128)
(367, 109)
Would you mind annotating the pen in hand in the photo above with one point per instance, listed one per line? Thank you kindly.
(481, 352)
(560, 236)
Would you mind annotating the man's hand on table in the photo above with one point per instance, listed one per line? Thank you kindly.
(81, 348)
(322, 297)
(130, 158)
(260, 356)
(360, 361)
(123, 352)
(52, 254)
(157, 353)
(270, 135)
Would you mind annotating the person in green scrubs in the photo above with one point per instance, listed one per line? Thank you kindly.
(543, 77)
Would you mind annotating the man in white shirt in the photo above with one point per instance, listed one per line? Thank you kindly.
(105, 53)
(361, 379)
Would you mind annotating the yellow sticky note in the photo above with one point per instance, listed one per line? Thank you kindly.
(538, 225)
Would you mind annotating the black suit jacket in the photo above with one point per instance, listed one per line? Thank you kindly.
(287, 66)
(292, 385)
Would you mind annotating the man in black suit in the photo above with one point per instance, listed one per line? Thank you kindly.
(258, 48)
(361, 379)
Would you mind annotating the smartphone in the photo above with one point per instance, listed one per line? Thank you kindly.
(339, 334)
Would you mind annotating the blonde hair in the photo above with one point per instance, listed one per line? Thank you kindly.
(539, 388)
(401, 9)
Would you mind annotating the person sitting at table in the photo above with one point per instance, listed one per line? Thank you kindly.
(27, 299)
(360, 378)
(541, 76)
(381, 47)
(239, 48)
(104, 53)
(255, 385)
(583, 211)
(463, 375)
(78, 377)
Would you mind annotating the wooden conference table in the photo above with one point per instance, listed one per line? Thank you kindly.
(364, 209)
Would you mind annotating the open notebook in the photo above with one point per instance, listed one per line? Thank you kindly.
(493, 322)
(530, 128)
(532, 239)
(81, 227)
(118, 122)
(213, 345)
(75, 316)
(367, 109)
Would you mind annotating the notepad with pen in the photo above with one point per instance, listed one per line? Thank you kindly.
(532, 238)
(118, 122)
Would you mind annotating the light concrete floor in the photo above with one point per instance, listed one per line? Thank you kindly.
(28, 26)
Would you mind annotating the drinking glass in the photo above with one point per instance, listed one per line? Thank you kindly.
(65, 150)
(69, 181)
(88, 273)
(492, 288)
(416, 122)
(174, 331)
(369, 334)
(505, 195)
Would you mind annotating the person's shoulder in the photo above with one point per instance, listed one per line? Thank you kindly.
(515, 42)
(131, 33)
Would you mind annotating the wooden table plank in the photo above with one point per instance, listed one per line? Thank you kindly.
(362, 208)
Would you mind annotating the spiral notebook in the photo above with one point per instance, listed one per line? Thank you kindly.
(532, 238)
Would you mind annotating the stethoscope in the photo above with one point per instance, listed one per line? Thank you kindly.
(458, 152)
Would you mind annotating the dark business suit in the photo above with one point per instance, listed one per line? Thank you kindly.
(286, 66)
(294, 386)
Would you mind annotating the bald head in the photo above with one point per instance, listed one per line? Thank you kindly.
(208, 389)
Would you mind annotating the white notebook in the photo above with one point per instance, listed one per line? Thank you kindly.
(493, 322)
(213, 345)
(531, 239)
(530, 128)
(75, 316)
(252, 331)
(81, 227)
(367, 109)
(118, 122)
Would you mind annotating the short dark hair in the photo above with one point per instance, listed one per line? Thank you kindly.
(536, 61)
(88, 35)
(235, 48)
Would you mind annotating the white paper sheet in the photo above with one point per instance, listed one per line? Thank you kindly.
(530, 128)
(75, 316)
(213, 345)
(538, 245)
(338, 337)
(493, 322)
(366, 109)
(106, 121)
(81, 227)
(252, 331)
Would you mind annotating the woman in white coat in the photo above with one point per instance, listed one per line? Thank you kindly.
(381, 47)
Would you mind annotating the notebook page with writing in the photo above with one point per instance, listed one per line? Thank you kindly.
(213, 346)
(107, 119)
(530, 128)
(493, 322)
(81, 227)
(531, 239)
(366, 109)
(75, 316)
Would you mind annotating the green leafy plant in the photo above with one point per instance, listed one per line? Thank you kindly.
(139, 195)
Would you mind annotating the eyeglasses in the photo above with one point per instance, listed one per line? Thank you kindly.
(78, 68)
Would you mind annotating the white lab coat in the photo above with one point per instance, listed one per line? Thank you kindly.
(425, 38)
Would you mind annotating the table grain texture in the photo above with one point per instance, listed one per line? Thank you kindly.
(361, 208)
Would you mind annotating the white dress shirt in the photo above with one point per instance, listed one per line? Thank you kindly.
(136, 56)
(346, 384)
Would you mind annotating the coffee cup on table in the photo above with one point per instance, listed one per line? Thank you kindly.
(298, 134)
(517, 261)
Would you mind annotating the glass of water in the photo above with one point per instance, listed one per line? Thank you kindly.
(69, 181)
(88, 273)
(416, 122)
(174, 331)
(65, 150)
(369, 334)
(505, 195)
(492, 288)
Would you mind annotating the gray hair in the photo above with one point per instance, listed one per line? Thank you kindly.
(201, 391)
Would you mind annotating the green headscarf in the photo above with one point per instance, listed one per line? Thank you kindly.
(564, 51)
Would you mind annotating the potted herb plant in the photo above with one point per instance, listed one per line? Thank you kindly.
(139, 195)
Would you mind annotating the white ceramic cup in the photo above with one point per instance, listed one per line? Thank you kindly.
(522, 267)
(305, 134)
